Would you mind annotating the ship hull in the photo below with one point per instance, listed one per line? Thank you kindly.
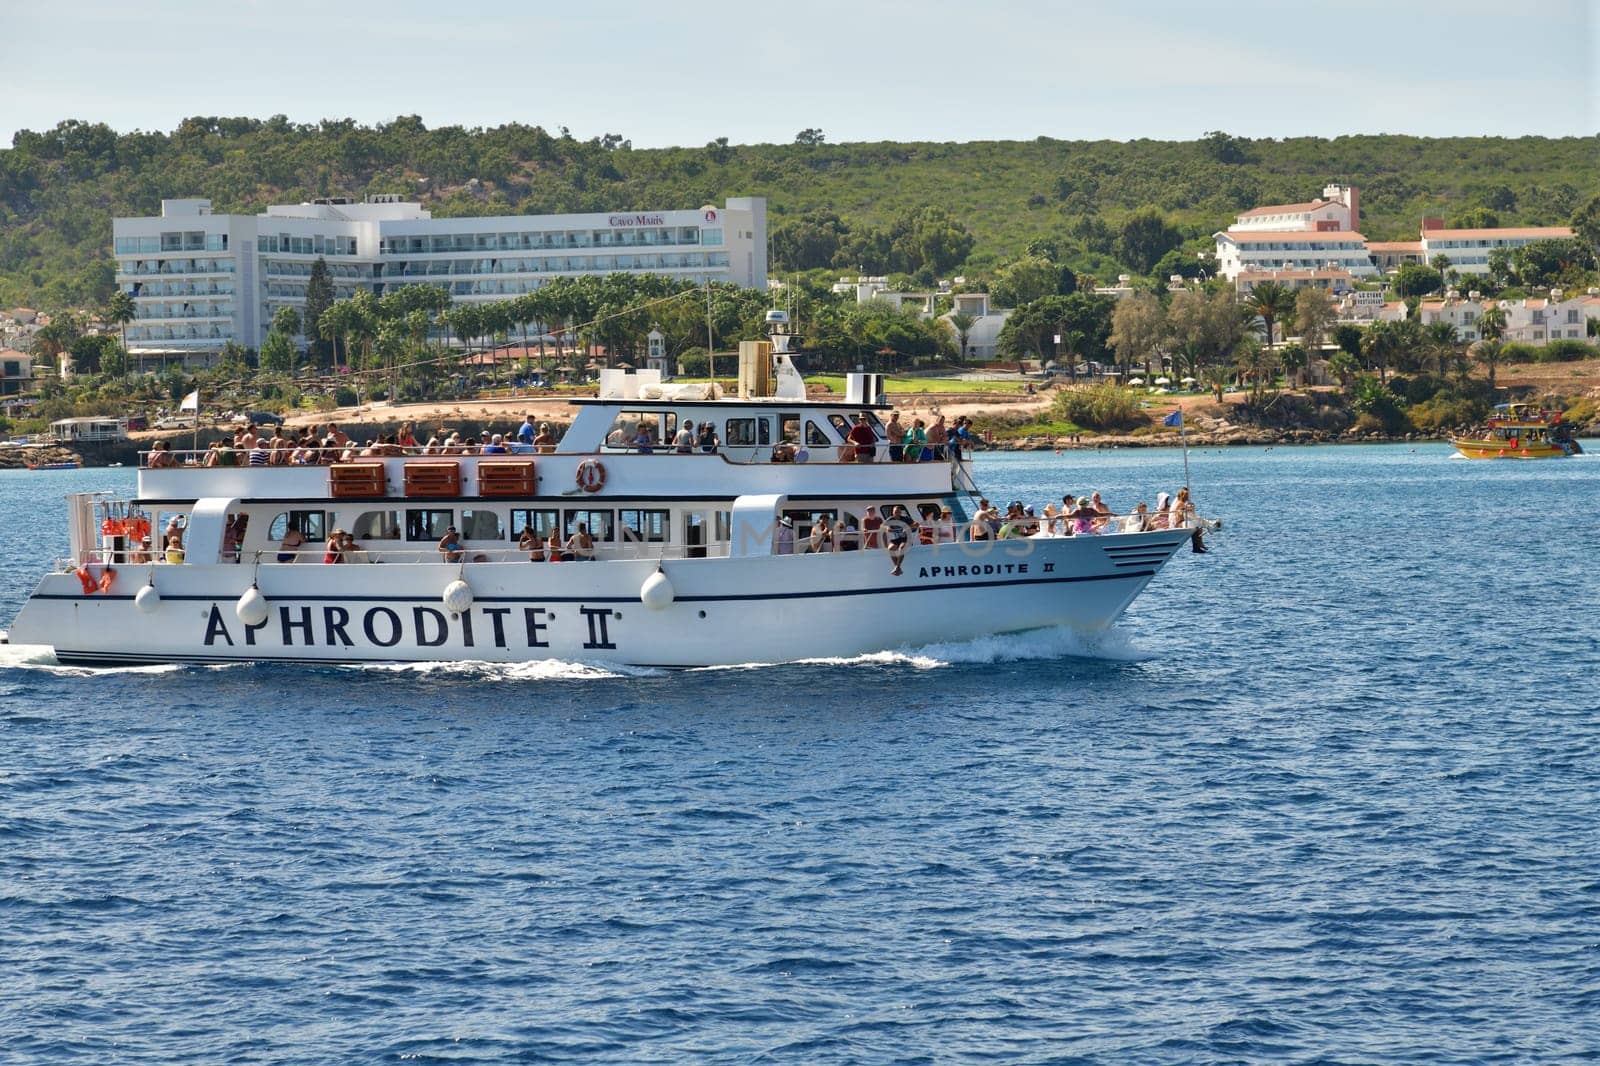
(1499, 449)
(723, 611)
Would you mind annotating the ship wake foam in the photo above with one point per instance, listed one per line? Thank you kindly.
(1039, 644)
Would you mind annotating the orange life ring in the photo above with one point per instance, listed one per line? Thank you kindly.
(591, 475)
(86, 579)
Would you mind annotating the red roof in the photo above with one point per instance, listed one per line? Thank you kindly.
(1512, 232)
(1282, 209)
(1263, 236)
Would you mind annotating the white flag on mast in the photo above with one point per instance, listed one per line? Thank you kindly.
(191, 402)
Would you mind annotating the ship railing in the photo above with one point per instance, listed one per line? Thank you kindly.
(297, 457)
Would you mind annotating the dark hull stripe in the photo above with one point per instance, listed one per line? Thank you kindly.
(730, 598)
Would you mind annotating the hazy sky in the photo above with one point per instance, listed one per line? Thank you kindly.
(669, 72)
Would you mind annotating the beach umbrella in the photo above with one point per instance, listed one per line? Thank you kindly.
(1187, 381)
(1163, 381)
(1136, 381)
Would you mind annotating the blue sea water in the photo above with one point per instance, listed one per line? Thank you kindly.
(1330, 794)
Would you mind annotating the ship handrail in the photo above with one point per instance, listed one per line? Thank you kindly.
(818, 455)
(631, 551)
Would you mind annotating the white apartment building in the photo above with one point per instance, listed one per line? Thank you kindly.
(1468, 249)
(1535, 320)
(1261, 251)
(200, 279)
(1339, 209)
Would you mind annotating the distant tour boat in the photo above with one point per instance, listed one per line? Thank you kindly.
(1521, 431)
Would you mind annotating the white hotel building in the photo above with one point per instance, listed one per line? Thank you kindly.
(200, 280)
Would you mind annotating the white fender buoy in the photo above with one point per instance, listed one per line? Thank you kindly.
(252, 607)
(457, 596)
(148, 600)
(657, 591)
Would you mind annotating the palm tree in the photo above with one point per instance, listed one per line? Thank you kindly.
(962, 323)
(1343, 365)
(1378, 345)
(1492, 323)
(1258, 363)
(1295, 360)
(1270, 301)
(1488, 353)
(1441, 340)
(120, 309)
(1217, 378)
(1071, 347)
(334, 326)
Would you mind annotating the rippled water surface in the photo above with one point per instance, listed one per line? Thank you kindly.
(1330, 794)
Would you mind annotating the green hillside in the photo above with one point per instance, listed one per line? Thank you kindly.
(918, 208)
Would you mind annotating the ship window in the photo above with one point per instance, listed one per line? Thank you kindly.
(543, 522)
(482, 525)
(724, 525)
(428, 524)
(661, 426)
(645, 525)
(311, 524)
(376, 525)
(601, 524)
(839, 423)
(741, 433)
(789, 428)
(815, 436)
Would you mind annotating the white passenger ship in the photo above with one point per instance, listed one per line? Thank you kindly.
(691, 562)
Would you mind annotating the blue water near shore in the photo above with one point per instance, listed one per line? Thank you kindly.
(1331, 794)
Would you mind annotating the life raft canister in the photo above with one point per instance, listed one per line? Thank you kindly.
(591, 475)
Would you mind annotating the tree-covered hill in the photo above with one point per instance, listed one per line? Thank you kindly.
(913, 207)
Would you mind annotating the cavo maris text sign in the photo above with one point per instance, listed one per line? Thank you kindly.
(622, 221)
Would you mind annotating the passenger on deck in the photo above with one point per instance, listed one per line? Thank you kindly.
(496, 446)
(683, 442)
(897, 437)
(172, 541)
(1139, 520)
(289, 548)
(784, 542)
(580, 546)
(938, 437)
(871, 525)
(526, 432)
(783, 452)
(406, 438)
(545, 441)
(450, 545)
(846, 535)
(532, 543)
(709, 441)
(1162, 519)
(898, 529)
(161, 455)
(945, 532)
(864, 439)
(232, 536)
(644, 441)
(334, 551)
(916, 442)
(821, 539)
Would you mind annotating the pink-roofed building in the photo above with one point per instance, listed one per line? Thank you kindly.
(1336, 281)
(1536, 320)
(1468, 249)
(1239, 251)
(1339, 208)
(1389, 255)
